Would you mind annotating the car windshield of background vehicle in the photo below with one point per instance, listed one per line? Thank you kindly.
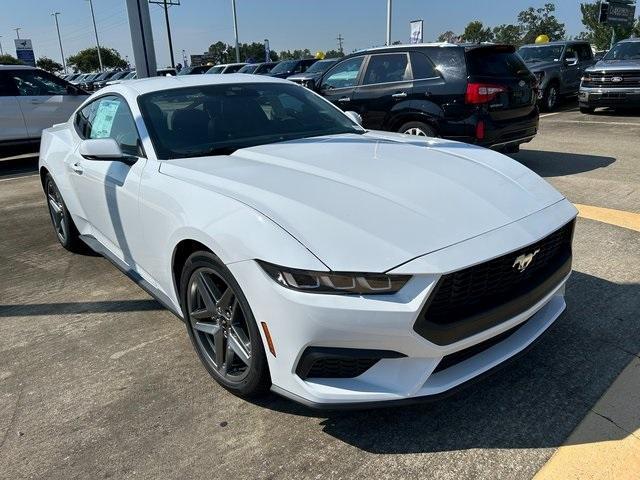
(495, 63)
(546, 53)
(320, 66)
(624, 51)
(219, 119)
(248, 68)
(215, 69)
(285, 67)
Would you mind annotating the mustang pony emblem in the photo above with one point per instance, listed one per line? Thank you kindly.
(523, 261)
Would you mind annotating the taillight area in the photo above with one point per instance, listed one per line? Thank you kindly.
(480, 93)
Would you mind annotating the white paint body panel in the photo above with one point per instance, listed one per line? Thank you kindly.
(370, 203)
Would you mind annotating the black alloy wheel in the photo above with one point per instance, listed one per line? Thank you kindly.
(221, 326)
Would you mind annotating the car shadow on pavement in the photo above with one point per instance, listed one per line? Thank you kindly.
(535, 402)
(559, 164)
(71, 308)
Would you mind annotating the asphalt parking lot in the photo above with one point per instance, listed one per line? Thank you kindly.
(98, 381)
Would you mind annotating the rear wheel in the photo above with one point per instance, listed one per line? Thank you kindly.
(550, 98)
(419, 129)
(63, 225)
(221, 326)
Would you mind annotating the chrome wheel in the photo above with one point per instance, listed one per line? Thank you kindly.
(552, 98)
(56, 209)
(415, 131)
(219, 325)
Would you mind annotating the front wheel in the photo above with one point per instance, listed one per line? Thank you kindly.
(419, 129)
(550, 98)
(222, 327)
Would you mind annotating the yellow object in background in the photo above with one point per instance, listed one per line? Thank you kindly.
(320, 55)
(542, 39)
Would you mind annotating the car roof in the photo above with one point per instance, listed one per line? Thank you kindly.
(558, 42)
(630, 40)
(17, 67)
(154, 84)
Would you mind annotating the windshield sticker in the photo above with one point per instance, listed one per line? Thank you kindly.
(103, 121)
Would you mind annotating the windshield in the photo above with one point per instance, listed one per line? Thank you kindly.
(285, 67)
(120, 75)
(624, 51)
(543, 53)
(321, 66)
(219, 119)
(249, 68)
(130, 76)
(217, 69)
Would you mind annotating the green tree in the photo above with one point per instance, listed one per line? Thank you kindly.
(475, 32)
(7, 59)
(48, 64)
(540, 21)
(296, 54)
(448, 36)
(599, 34)
(221, 52)
(254, 51)
(87, 60)
(333, 54)
(509, 34)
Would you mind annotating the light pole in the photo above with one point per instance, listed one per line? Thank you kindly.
(235, 29)
(1, 51)
(64, 63)
(18, 32)
(95, 30)
(388, 22)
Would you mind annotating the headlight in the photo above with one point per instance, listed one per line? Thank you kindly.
(344, 283)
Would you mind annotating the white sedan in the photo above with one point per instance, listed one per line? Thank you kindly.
(336, 266)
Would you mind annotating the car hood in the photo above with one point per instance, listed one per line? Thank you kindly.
(539, 66)
(615, 65)
(374, 201)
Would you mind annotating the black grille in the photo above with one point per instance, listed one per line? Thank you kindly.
(340, 367)
(468, 294)
(613, 80)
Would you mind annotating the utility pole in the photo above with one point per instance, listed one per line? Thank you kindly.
(1, 51)
(235, 29)
(18, 32)
(64, 63)
(340, 40)
(184, 58)
(95, 30)
(388, 22)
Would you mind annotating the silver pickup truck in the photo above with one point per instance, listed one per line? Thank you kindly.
(558, 66)
(615, 80)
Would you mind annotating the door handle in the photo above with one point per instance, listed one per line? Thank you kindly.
(399, 95)
(76, 167)
(344, 99)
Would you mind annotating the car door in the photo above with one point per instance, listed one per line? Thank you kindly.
(108, 190)
(12, 126)
(570, 70)
(44, 99)
(338, 85)
(386, 83)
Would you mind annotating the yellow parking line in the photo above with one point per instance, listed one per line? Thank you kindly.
(619, 218)
(606, 444)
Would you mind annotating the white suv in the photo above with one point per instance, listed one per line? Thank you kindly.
(32, 100)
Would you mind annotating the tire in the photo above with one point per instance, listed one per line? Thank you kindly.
(550, 98)
(412, 128)
(65, 230)
(587, 110)
(220, 322)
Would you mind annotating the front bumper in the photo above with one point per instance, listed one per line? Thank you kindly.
(298, 321)
(609, 97)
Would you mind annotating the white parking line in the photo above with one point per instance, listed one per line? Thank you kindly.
(17, 177)
(594, 122)
(558, 113)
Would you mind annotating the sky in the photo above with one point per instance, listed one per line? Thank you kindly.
(288, 24)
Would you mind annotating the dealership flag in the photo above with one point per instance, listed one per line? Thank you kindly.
(416, 31)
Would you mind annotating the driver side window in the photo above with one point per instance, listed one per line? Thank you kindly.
(344, 74)
(110, 117)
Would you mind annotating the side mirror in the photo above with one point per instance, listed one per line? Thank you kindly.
(354, 116)
(105, 149)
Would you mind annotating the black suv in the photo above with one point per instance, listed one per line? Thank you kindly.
(482, 94)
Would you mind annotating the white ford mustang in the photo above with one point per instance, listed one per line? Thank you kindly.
(336, 266)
